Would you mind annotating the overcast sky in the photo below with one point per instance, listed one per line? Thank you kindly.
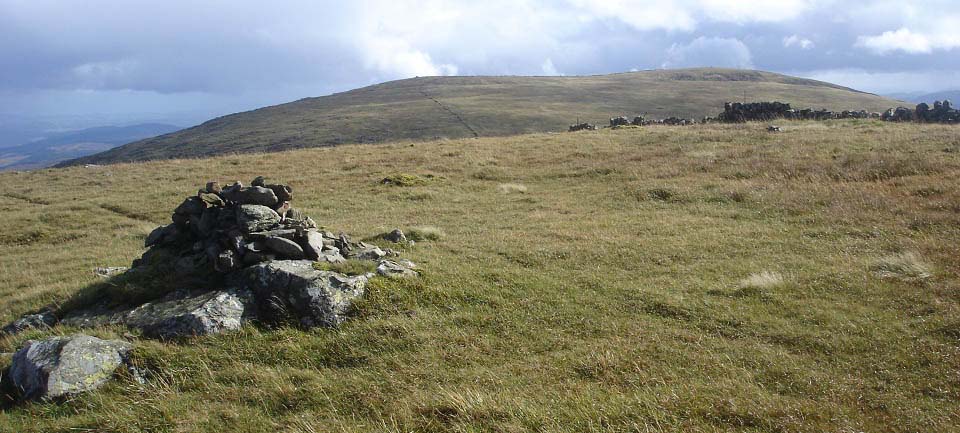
(220, 56)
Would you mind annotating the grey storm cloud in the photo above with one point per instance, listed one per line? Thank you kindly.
(238, 54)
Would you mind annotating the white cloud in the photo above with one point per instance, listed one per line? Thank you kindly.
(641, 15)
(900, 40)
(686, 15)
(548, 68)
(717, 52)
(740, 11)
(797, 41)
(938, 33)
(395, 58)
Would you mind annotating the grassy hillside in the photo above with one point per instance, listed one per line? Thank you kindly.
(456, 107)
(706, 278)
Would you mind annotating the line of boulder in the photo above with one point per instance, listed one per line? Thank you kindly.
(740, 112)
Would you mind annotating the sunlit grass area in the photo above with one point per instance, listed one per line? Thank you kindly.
(706, 278)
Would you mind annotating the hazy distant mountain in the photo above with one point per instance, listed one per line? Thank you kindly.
(74, 144)
(916, 98)
(430, 107)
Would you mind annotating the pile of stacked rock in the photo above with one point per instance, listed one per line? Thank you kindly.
(258, 258)
(239, 253)
(225, 229)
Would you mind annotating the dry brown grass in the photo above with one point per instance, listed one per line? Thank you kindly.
(598, 301)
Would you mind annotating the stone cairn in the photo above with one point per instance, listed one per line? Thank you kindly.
(255, 258)
(223, 229)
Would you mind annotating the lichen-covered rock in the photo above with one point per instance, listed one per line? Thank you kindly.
(367, 252)
(41, 320)
(187, 314)
(256, 218)
(294, 289)
(391, 269)
(331, 255)
(62, 366)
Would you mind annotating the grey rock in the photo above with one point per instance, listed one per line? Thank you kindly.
(192, 265)
(331, 255)
(185, 314)
(391, 269)
(283, 192)
(257, 195)
(190, 206)
(98, 315)
(280, 233)
(396, 236)
(41, 320)
(167, 234)
(63, 366)
(287, 289)
(252, 258)
(284, 247)
(313, 244)
(256, 218)
(109, 271)
(210, 199)
(368, 252)
(155, 236)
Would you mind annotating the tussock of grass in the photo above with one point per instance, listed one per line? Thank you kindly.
(906, 266)
(424, 233)
(512, 188)
(407, 179)
(663, 194)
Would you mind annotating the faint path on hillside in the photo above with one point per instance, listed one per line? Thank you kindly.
(450, 110)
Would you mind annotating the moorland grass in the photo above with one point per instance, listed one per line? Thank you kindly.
(608, 297)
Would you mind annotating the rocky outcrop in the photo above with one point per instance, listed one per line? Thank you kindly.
(294, 290)
(185, 314)
(392, 269)
(63, 366)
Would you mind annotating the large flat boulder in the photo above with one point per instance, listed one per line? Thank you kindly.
(63, 366)
(192, 314)
(294, 289)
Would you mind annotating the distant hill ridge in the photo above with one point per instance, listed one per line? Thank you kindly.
(455, 107)
(72, 144)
